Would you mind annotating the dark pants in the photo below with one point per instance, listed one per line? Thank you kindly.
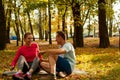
(63, 65)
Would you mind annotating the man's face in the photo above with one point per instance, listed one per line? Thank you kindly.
(58, 39)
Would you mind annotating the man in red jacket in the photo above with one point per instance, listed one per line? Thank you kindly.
(28, 59)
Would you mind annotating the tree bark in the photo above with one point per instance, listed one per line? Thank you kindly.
(40, 25)
(31, 29)
(17, 28)
(8, 20)
(78, 28)
(50, 40)
(103, 29)
(2, 27)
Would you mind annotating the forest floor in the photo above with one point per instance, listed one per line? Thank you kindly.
(93, 63)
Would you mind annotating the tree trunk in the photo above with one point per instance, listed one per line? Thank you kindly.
(103, 29)
(21, 28)
(40, 25)
(24, 24)
(31, 29)
(50, 40)
(78, 28)
(2, 27)
(17, 28)
(94, 35)
(71, 32)
(110, 28)
(8, 20)
(8, 33)
(64, 26)
(89, 27)
(58, 20)
(17, 32)
(21, 32)
(8, 27)
(45, 31)
(119, 38)
(63, 20)
(46, 35)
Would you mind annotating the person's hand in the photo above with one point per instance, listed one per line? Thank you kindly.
(12, 67)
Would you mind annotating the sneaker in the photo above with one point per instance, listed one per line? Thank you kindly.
(27, 76)
(18, 76)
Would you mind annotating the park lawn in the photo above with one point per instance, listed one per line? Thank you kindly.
(99, 63)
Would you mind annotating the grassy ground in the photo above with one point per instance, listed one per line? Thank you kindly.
(100, 64)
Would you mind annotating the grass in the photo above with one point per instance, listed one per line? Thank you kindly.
(99, 63)
(102, 64)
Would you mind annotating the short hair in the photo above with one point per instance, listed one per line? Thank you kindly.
(62, 34)
(26, 34)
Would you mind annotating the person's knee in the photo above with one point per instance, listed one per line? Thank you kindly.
(36, 59)
(21, 58)
(42, 64)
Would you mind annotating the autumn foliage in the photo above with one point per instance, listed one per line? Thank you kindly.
(98, 63)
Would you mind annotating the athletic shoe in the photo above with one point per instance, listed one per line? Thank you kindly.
(18, 76)
(27, 76)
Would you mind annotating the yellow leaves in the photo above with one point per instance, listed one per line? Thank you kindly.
(43, 0)
(39, 0)
(84, 58)
(100, 64)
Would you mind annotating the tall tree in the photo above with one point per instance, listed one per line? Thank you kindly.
(103, 29)
(64, 26)
(63, 20)
(21, 27)
(40, 25)
(78, 28)
(8, 20)
(17, 31)
(2, 27)
(30, 24)
(50, 40)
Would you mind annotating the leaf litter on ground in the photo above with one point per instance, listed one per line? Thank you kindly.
(92, 63)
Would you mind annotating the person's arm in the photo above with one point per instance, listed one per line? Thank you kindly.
(15, 59)
(38, 52)
(55, 51)
(37, 49)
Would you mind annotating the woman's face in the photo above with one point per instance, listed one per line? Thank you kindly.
(28, 39)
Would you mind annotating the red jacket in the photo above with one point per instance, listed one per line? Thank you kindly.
(29, 52)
